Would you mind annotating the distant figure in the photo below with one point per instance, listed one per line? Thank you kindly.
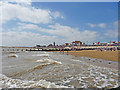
(63, 51)
(60, 50)
(111, 49)
(114, 49)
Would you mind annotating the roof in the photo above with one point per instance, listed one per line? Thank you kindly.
(77, 42)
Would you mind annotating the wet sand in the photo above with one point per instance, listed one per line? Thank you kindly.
(108, 59)
(107, 55)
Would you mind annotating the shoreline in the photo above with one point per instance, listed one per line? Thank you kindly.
(84, 56)
(74, 71)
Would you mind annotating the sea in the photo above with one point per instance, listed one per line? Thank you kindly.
(40, 69)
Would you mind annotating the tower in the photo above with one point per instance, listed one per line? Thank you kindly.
(54, 43)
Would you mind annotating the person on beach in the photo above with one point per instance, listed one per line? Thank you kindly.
(63, 51)
(111, 49)
(114, 49)
(101, 50)
(60, 50)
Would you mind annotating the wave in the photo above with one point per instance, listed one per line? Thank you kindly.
(49, 61)
(42, 55)
(13, 55)
(45, 63)
(17, 83)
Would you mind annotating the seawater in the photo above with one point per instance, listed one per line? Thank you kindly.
(54, 70)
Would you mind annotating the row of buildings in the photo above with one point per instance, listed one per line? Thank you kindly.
(110, 43)
(79, 43)
(75, 43)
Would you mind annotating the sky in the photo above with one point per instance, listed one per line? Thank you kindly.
(31, 23)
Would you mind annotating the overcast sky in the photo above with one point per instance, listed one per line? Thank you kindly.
(30, 23)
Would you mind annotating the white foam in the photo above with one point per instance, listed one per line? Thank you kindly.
(42, 61)
(42, 55)
(17, 83)
(45, 60)
(77, 60)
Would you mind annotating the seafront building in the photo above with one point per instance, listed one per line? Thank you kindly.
(77, 43)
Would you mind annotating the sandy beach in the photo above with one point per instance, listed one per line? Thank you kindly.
(107, 55)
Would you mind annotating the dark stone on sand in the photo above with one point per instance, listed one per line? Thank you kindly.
(109, 62)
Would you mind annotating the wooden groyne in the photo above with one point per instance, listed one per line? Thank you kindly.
(16, 49)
